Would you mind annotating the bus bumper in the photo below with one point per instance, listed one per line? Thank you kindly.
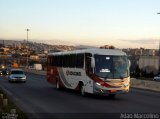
(111, 90)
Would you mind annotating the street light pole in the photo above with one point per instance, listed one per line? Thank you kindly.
(159, 53)
(159, 57)
(27, 46)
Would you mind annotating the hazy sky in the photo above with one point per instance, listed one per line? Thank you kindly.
(122, 23)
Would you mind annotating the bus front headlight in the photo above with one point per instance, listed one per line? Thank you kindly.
(98, 84)
(24, 77)
(125, 85)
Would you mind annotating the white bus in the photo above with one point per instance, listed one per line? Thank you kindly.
(95, 71)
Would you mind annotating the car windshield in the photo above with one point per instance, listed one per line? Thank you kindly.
(113, 67)
(17, 72)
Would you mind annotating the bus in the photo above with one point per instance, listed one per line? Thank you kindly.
(94, 71)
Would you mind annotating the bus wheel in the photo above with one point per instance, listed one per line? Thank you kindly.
(82, 89)
(112, 95)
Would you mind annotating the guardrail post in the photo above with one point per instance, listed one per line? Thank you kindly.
(5, 102)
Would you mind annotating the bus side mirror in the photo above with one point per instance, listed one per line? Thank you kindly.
(129, 62)
(92, 62)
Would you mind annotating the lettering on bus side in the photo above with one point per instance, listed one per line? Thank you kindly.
(73, 73)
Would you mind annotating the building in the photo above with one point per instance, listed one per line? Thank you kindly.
(149, 64)
(34, 57)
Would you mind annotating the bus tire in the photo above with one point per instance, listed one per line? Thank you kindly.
(112, 96)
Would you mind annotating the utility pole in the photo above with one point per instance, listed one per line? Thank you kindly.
(159, 54)
(27, 47)
(159, 57)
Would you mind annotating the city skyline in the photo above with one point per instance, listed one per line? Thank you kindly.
(122, 23)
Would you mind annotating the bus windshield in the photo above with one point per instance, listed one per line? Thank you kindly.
(112, 67)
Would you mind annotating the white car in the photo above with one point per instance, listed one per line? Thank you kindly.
(17, 75)
(1, 73)
(156, 78)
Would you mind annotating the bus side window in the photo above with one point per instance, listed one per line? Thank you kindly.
(64, 60)
(80, 60)
(48, 60)
(58, 61)
(72, 61)
(51, 60)
(55, 61)
(88, 63)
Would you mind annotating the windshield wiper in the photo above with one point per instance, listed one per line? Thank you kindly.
(121, 77)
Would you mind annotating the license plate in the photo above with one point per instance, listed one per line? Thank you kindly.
(113, 91)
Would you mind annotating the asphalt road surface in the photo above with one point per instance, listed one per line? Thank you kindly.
(39, 99)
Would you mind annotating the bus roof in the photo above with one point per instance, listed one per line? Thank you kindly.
(92, 51)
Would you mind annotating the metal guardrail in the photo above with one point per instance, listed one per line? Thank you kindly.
(144, 84)
(39, 72)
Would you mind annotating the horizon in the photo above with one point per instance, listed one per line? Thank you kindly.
(79, 45)
(123, 24)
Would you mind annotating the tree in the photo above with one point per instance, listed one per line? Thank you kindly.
(137, 72)
(107, 47)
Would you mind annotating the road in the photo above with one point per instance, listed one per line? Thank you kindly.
(39, 99)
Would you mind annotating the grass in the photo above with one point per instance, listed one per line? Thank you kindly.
(5, 111)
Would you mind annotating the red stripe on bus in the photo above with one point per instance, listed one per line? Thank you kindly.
(97, 79)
